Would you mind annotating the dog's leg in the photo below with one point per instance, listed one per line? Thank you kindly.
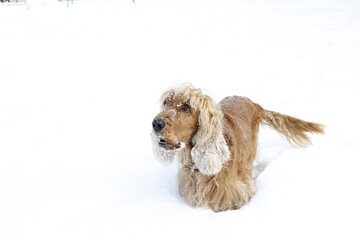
(188, 186)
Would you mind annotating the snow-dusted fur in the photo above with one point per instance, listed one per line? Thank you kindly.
(210, 156)
(162, 154)
(210, 149)
(219, 144)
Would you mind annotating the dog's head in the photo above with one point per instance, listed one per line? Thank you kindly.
(190, 119)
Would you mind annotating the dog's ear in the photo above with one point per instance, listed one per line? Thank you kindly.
(210, 149)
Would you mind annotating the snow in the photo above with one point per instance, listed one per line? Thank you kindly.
(79, 87)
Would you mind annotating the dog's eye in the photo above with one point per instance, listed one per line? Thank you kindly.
(185, 108)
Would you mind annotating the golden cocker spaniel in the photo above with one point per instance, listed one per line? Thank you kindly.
(216, 144)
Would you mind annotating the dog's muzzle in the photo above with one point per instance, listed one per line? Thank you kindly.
(159, 124)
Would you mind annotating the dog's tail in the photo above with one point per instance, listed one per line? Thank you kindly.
(293, 129)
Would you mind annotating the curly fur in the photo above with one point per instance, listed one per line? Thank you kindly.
(210, 150)
(219, 143)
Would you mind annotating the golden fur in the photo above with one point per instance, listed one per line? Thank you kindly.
(216, 144)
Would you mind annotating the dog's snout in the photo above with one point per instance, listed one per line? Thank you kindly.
(158, 124)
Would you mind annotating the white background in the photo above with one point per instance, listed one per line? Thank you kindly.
(79, 87)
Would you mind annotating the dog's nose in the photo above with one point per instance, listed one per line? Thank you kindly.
(158, 124)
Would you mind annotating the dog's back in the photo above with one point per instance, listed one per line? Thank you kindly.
(242, 117)
(243, 110)
(249, 115)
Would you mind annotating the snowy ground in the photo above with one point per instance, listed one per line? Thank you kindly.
(79, 87)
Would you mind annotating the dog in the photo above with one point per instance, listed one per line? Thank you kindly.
(216, 144)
